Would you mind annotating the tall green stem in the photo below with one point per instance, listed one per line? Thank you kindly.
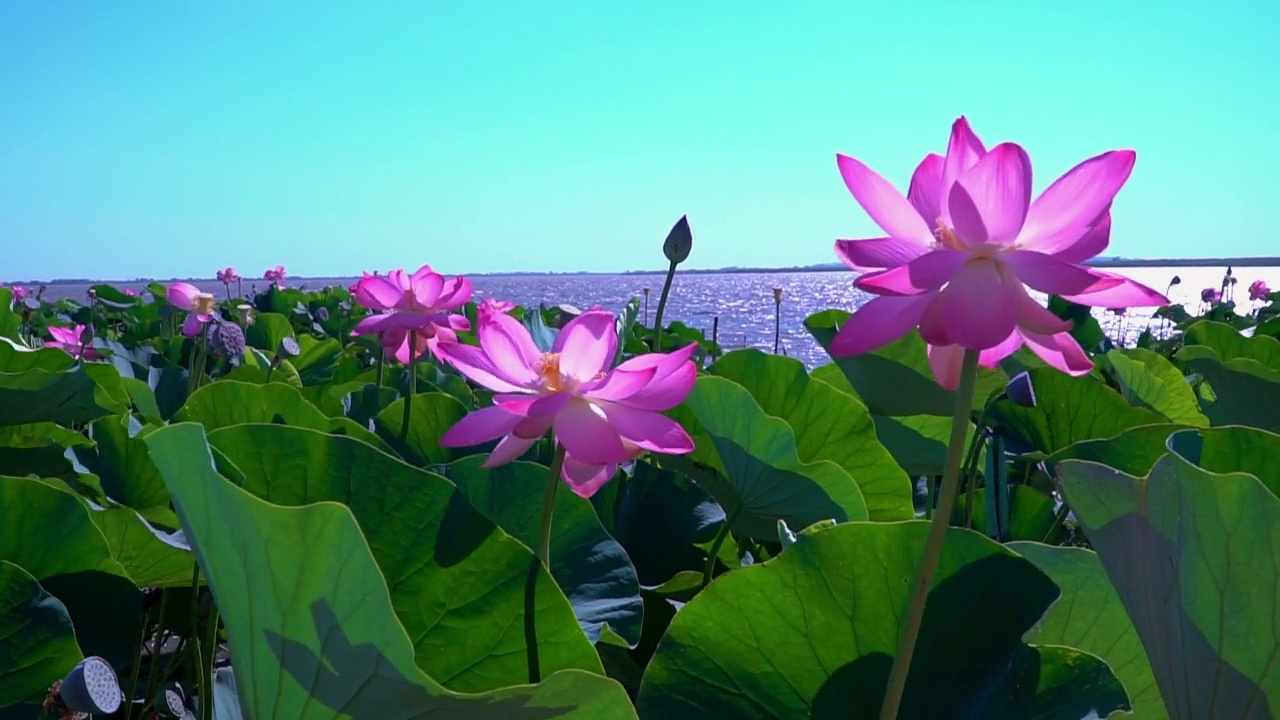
(413, 385)
(202, 672)
(662, 306)
(937, 533)
(157, 645)
(535, 567)
(549, 506)
(382, 361)
(210, 647)
(709, 569)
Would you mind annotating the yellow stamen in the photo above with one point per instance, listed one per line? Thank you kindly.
(946, 236)
(548, 368)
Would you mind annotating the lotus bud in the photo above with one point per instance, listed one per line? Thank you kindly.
(1175, 281)
(91, 687)
(322, 314)
(170, 701)
(1020, 391)
(87, 335)
(679, 241)
(245, 311)
(289, 347)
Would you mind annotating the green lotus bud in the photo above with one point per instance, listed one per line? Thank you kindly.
(679, 241)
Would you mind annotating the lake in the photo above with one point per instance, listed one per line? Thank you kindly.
(744, 304)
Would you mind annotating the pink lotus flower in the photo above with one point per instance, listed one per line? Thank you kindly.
(603, 418)
(275, 275)
(130, 293)
(963, 241)
(229, 275)
(418, 304)
(493, 305)
(19, 293)
(1210, 295)
(71, 341)
(1258, 290)
(200, 306)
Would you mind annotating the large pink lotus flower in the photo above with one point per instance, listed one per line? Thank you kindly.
(417, 304)
(275, 275)
(1258, 290)
(229, 275)
(200, 306)
(602, 417)
(72, 341)
(963, 241)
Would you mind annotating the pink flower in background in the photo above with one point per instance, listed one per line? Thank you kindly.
(130, 293)
(275, 275)
(417, 303)
(229, 275)
(1210, 295)
(200, 306)
(603, 418)
(19, 293)
(963, 242)
(73, 342)
(493, 305)
(1258, 290)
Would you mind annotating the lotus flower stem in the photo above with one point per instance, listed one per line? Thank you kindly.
(662, 306)
(382, 360)
(202, 672)
(544, 560)
(413, 385)
(714, 552)
(970, 474)
(937, 534)
(156, 644)
(549, 506)
(137, 670)
(210, 646)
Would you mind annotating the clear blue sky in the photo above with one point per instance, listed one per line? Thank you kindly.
(160, 138)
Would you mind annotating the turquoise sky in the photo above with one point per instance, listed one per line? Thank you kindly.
(150, 138)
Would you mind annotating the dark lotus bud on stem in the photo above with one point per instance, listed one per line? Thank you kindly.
(679, 241)
(1020, 391)
(322, 314)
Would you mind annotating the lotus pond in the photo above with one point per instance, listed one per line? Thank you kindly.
(389, 501)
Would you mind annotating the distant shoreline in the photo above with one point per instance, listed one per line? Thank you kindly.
(1117, 262)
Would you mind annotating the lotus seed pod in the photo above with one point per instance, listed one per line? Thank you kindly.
(289, 348)
(679, 241)
(226, 339)
(31, 304)
(1020, 391)
(91, 687)
(170, 701)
